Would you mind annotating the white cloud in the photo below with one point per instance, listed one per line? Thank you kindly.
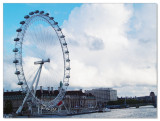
(120, 60)
(108, 48)
(9, 78)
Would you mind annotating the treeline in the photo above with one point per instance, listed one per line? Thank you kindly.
(128, 101)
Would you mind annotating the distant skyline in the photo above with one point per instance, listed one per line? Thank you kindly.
(111, 45)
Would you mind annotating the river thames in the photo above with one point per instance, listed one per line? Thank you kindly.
(141, 112)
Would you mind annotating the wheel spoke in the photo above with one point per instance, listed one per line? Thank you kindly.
(40, 37)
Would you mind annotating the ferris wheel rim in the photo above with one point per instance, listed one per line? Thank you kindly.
(18, 55)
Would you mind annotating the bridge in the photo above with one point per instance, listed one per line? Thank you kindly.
(143, 104)
(131, 105)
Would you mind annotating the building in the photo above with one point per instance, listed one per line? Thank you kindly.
(77, 101)
(74, 100)
(103, 95)
(14, 97)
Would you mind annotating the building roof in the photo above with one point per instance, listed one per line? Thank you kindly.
(48, 93)
(75, 92)
(13, 93)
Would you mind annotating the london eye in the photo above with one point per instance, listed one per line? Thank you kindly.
(41, 59)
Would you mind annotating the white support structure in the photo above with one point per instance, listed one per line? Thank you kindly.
(36, 79)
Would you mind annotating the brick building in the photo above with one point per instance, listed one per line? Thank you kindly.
(73, 100)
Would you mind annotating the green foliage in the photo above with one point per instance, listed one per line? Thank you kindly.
(122, 101)
(8, 107)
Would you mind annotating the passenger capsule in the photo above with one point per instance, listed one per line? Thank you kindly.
(51, 18)
(15, 61)
(62, 36)
(68, 68)
(22, 22)
(31, 13)
(65, 44)
(41, 12)
(15, 50)
(26, 17)
(19, 30)
(59, 29)
(17, 72)
(55, 23)
(66, 84)
(67, 52)
(20, 83)
(68, 60)
(47, 14)
(67, 76)
(16, 39)
(37, 11)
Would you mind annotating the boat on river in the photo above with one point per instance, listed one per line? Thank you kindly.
(104, 110)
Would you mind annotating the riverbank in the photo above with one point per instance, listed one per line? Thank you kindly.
(131, 113)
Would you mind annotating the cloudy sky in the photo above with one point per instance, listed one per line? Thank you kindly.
(111, 45)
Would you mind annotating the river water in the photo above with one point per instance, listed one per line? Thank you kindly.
(141, 112)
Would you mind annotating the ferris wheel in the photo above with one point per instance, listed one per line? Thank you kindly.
(41, 58)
